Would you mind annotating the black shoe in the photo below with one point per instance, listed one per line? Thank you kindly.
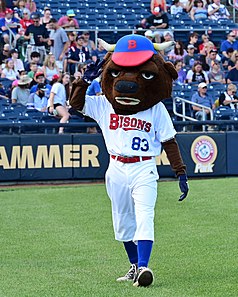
(144, 277)
(130, 274)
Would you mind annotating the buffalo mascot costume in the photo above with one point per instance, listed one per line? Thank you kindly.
(136, 126)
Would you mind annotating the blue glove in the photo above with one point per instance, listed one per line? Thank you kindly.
(93, 71)
(184, 187)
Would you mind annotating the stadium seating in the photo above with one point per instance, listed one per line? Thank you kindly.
(223, 113)
(89, 15)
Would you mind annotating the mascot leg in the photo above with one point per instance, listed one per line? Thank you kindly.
(131, 250)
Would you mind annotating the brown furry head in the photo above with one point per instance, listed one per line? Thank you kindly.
(134, 89)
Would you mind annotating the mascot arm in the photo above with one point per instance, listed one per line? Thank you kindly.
(79, 88)
(77, 94)
(173, 153)
(172, 150)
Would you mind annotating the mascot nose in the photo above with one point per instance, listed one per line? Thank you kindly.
(124, 86)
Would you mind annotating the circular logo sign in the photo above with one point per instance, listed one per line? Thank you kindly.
(204, 150)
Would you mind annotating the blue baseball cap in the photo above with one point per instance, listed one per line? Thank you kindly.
(70, 13)
(133, 50)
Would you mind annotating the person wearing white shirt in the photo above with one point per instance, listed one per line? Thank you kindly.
(38, 98)
(217, 11)
(176, 7)
(58, 97)
(18, 64)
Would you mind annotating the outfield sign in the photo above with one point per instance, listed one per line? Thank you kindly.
(82, 156)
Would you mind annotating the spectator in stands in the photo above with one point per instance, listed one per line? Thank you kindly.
(9, 22)
(168, 36)
(226, 61)
(158, 3)
(2, 8)
(204, 55)
(39, 78)
(178, 64)
(33, 70)
(72, 45)
(203, 98)
(26, 20)
(18, 10)
(150, 35)
(40, 37)
(158, 20)
(93, 90)
(229, 98)
(215, 74)
(80, 70)
(232, 61)
(217, 11)
(21, 93)
(72, 39)
(232, 75)
(3, 92)
(77, 55)
(230, 42)
(193, 39)
(198, 11)
(212, 57)
(176, 7)
(59, 43)
(205, 40)
(18, 64)
(68, 21)
(45, 20)
(38, 98)
(8, 71)
(5, 53)
(34, 58)
(187, 5)
(30, 4)
(178, 53)
(197, 74)
(190, 58)
(50, 67)
(88, 43)
(58, 98)
(209, 46)
(99, 53)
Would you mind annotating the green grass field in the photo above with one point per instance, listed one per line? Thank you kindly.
(58, 241)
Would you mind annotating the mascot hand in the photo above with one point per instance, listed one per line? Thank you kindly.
(93, 71)
(184, 187)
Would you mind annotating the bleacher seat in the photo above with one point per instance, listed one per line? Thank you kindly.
(10, 114)
(34, 114)
(27, 129)
(7, 128)
(46, 118)
(223, 113)
(75, 119)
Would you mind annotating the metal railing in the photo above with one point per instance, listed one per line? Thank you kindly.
(183, 114)
(234, 9)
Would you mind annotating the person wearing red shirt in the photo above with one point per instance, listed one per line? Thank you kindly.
(25, 21)
(68, 21)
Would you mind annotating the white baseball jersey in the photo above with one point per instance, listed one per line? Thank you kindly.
(139, 134)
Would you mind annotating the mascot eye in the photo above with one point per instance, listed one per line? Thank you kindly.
(147, 75)
(115, 73)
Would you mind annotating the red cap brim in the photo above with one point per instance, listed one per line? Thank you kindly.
(131, 59)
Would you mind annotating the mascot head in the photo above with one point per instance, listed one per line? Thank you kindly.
(135, 77)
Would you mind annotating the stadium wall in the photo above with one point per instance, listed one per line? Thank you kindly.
(84, 157)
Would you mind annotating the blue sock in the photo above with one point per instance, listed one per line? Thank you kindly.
(144, 250)
(131, 249)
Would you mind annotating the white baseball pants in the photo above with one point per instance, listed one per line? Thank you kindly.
(132, 189)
